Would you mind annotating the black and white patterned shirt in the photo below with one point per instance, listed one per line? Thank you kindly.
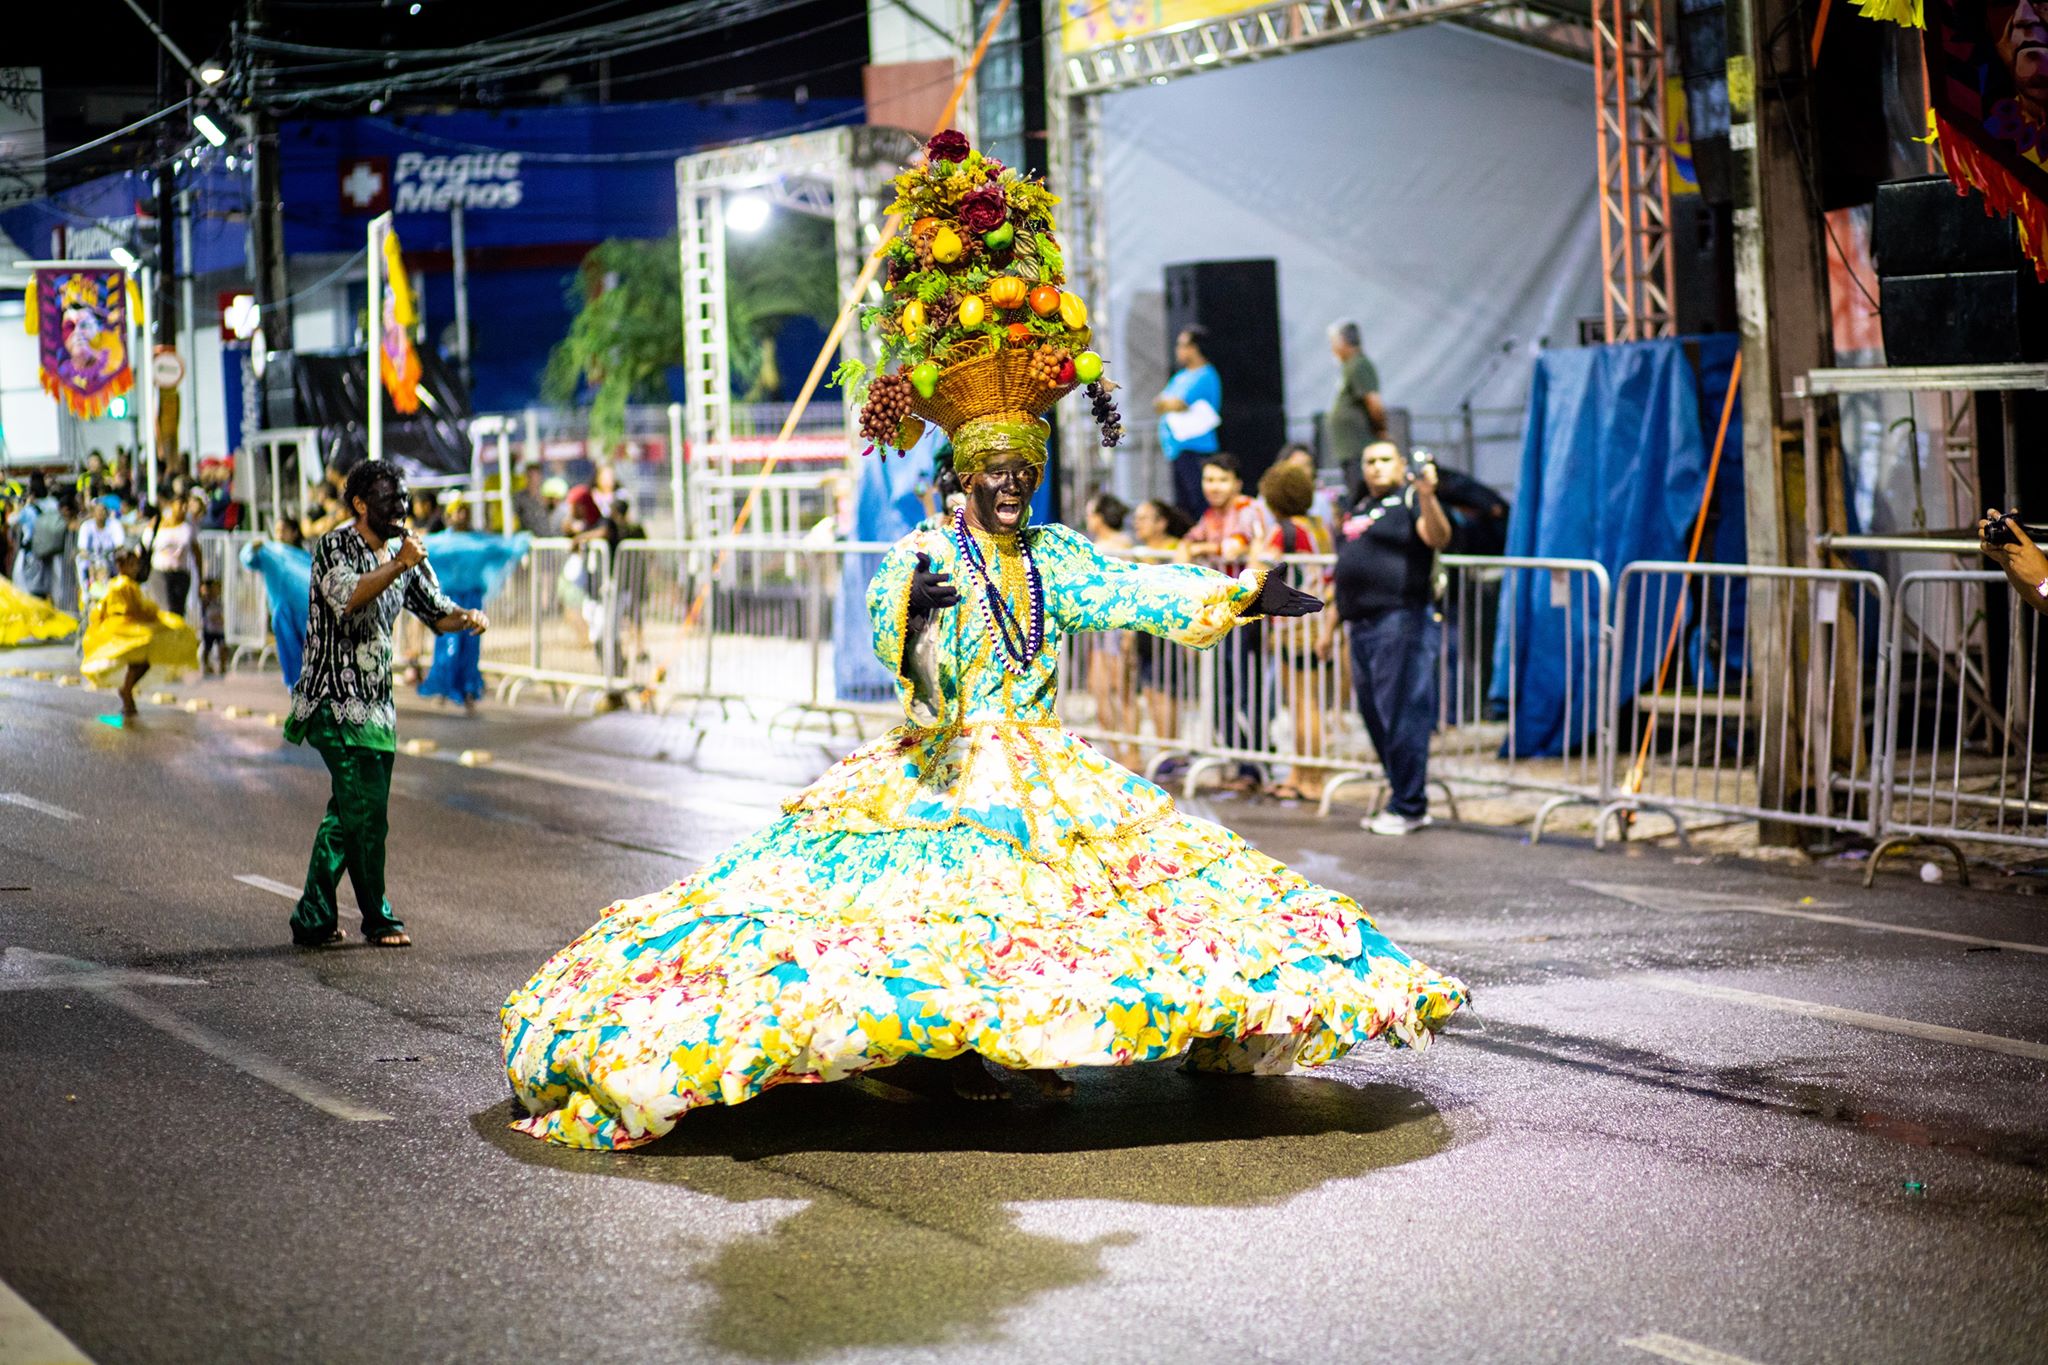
(348, 653)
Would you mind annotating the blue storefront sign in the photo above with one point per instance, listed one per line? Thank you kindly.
(573, 174)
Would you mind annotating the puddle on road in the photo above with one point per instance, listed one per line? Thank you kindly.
(907, 1238)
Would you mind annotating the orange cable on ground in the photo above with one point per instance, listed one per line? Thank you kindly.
(839, 323)
(1692, 554)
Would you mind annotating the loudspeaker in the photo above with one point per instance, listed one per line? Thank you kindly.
(1923, 227)
(1703, 265)
(1984, 317)
(1238, 304)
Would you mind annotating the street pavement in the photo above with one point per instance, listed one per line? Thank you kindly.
(1702, 1110)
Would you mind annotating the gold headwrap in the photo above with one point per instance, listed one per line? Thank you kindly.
(979, 440)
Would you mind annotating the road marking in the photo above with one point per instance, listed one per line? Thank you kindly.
(25, 969)
(1881, 1023)
(27, 1338)
(48, 971)
(1678, 1348)
(1672, 901)
(723, 809)
(39, 807)
(275, 888)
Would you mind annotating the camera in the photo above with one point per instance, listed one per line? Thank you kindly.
(2000, 532)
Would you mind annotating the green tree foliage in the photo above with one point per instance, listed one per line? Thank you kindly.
(628, 328)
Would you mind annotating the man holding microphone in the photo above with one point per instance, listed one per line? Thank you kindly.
(1386, 596)
(341, 704)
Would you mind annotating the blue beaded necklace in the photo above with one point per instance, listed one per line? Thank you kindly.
(1021, 642)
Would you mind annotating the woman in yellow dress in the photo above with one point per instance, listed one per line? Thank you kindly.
(25, 617)
(129, 634)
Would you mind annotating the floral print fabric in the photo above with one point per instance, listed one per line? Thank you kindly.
(347, 667)
(980, 880)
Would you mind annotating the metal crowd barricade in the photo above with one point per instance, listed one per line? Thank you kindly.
(1494, 730)
(553, 624)
(245, 609)
(1959, 751)
(1703, 725)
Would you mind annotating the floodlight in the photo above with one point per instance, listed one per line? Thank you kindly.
(124, 258)
(747, 213)
(212, 75)
(209, 130)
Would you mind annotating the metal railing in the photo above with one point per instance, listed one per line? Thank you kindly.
(1893, 716)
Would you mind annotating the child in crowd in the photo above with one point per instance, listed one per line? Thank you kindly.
(213, 629)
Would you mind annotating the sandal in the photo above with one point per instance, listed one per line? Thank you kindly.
(1286, 791)
(390, 938)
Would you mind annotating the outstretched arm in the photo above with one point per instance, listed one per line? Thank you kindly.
(1088, 590)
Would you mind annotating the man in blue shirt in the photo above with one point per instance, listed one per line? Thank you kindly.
(1192, 385)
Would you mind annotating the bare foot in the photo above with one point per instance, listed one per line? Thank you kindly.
(972, 1080)
(1050, 1083)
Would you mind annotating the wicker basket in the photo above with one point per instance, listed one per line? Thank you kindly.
(985, 386)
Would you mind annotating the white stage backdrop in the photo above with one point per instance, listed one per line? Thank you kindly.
(1435, 185)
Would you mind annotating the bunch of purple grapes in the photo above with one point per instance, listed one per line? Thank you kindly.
(888, 404)
(1106, 415)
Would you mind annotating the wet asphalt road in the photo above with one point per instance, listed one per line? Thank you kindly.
(1644, 1143)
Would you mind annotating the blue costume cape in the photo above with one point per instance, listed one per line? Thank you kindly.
(470, 566)
(288, 582)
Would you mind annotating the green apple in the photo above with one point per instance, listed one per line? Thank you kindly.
(1087, 367)
(999, 237)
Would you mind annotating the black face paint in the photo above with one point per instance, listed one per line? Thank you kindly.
(387, 506)
(990, 487)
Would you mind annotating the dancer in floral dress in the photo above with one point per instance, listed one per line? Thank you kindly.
(978, 885)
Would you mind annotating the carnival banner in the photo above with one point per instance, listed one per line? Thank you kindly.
(1987, 85)
(1086, 24)
(79, 318)
(396, 359)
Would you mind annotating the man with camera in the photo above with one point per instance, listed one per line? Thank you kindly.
(1386, 597)
(2005, 542)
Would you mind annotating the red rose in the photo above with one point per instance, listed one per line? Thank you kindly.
(950, 145)
(983, 208)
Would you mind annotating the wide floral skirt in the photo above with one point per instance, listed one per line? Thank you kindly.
(1001, 887)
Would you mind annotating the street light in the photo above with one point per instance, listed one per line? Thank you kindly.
(211, 74)
(747, 214)
(209, 130)
(124, 258)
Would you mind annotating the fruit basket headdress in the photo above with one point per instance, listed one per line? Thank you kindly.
(978, 335)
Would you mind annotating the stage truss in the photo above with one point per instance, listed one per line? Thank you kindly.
(839, 173)
(1623, 41)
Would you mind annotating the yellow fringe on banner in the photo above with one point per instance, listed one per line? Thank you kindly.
(1908, 12)
(399, 282)
(1969, 168)
(29, 295)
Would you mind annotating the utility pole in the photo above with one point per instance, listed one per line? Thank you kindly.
(164, 308)
(266, 220)
(1781, 304)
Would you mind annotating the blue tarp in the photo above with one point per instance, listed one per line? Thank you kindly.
(886, 508)
(1614, 460)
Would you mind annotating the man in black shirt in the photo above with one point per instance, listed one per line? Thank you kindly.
(1385, 595)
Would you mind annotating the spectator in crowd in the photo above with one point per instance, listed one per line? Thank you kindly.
(99, 537)
(1187, 432)
(64, 572)
(1109, 651)
(1385, 596)
(39, 535)
(1356, 415)
(1235, 529)
(1329, 501)
(533, 505)
(426, 512)
(213, 629)
(1164, 672)
(604, 486)
(1289, 491)
(174, 555)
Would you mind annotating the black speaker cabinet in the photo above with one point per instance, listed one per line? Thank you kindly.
(1981, 317)
(1238, 303)
(1923, 227)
